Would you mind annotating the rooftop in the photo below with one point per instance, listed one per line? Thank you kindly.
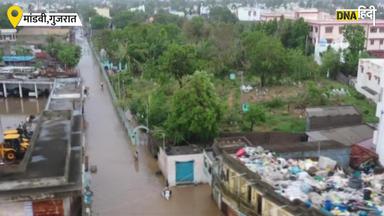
(182, 150)
(18, 58)
(333, 21)
(377, 61)
(52, 163)
(36, 31)
(66, 95)
(310, 182)
(347, 135)
(331, 111)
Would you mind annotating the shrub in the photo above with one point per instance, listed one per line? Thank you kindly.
(274, 103)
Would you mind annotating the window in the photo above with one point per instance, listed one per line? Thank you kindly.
(372, 41)
(254, 13)
(373, 29)
(381, 29)
(315, 29)
(381, 41)
(369, 75)
(249, 194)
(259, 204)
(249, 13)
(361, 69)
(329, 40)
(328, 29)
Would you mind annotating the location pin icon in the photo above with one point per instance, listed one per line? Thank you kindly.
(14, 14)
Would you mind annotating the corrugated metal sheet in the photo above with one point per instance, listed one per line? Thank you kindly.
(18, 58)
(48, 208)
(361, 154)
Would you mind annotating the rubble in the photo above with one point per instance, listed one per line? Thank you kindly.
(319, 184)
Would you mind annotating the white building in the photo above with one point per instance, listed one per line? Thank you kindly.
(104, 12)
(245, 13)
(370, 74)
(138, 8)
(323, 45)
(369, 83)
(182, 165)
(177, 13)
(7, 35)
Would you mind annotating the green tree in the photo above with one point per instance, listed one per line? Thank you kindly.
(256, 114)
(125, 18)
(163, 17)
(178, 60)
(265, 56)
(293, 34)
(300, 66)
(99, 22)
(222, 14)
(196, 29)
(1, 55)
(4, 22)
(315, 96)
(86, 11)
(196, 110)
(69, 55)
(355, 35)
(330, 63)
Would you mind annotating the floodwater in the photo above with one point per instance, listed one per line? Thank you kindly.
(121, 185)
(14, 110)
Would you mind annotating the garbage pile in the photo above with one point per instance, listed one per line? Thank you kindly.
(319, 184)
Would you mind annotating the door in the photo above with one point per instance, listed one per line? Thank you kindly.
(184, 172)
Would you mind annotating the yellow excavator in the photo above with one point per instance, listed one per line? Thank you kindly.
(13, 147)
(16, 131)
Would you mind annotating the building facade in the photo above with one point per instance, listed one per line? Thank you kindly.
(331, 31)
(370, 72)
(182, 165)
(7, 35)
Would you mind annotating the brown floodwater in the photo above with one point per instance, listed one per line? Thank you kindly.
(122, 186)
(15, 110)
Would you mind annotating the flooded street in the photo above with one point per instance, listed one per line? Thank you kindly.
(122, 186)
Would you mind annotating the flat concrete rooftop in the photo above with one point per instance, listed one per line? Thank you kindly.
(53, 161)
(331, 111)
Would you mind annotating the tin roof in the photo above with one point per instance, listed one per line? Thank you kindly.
(17, 58)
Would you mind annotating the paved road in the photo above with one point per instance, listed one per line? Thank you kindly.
(122, 186)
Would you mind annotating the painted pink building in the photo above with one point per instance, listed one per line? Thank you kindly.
(331, 31)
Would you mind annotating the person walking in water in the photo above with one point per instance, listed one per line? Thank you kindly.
(136, 155)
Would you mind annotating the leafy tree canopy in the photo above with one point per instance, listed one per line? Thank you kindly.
(265, 56)
(125, 18)
(99, 22)
(178, 60)
(196, 110)
(355, 35)
(330, 63)
(4, 22)
(256, 114)
(222, 14)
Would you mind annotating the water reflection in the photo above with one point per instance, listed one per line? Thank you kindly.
(15, 110)
(22, 106)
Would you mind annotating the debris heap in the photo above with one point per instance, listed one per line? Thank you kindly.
(320, 184)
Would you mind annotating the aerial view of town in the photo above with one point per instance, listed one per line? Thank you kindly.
(191, 108)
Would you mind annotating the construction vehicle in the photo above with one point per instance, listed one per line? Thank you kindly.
(13, 147)
(22, 129)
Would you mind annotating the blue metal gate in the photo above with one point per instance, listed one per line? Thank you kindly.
(184, 172)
